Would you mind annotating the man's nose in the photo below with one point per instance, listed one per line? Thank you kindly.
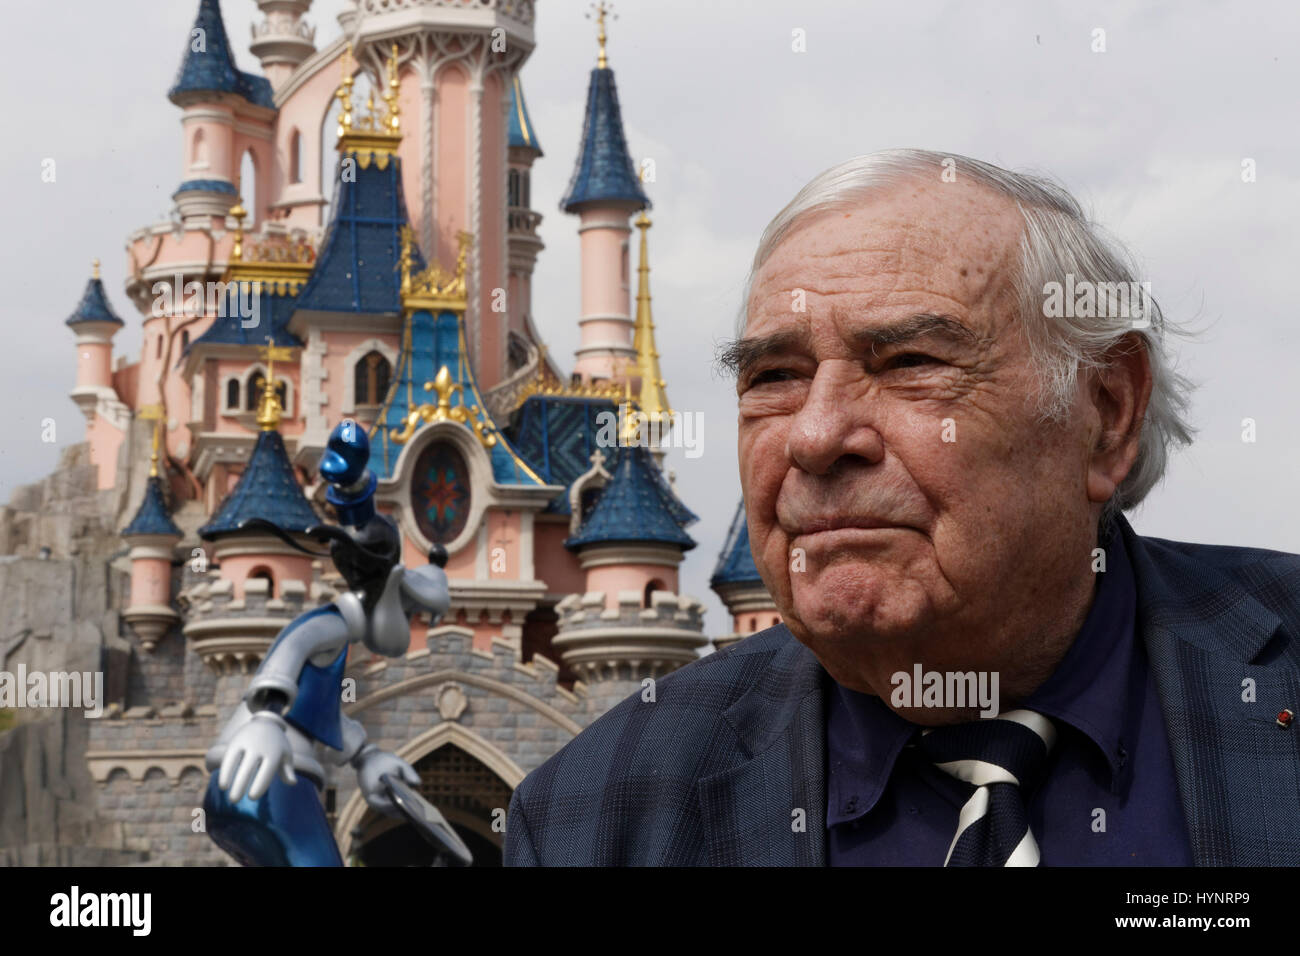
(836, 420)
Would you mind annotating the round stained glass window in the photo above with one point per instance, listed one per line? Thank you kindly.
(440, 492)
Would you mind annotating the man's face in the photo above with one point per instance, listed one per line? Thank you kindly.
(904, 504)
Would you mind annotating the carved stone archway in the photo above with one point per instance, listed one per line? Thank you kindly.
(464, 776)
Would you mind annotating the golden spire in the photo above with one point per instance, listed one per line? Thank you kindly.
(393, 122)
(270, 410)
(601, 9)
(653, 400)
(95, 267)
(154, 413)
(344, 95)
(238, 212)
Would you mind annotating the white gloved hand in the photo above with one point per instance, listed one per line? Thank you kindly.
(259, 747)
(372, 763)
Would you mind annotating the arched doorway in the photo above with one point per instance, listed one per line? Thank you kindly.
(464, 789)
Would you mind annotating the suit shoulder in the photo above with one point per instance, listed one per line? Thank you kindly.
(643, 752)
(694, 696)
(1270, 577)
(1224, 557)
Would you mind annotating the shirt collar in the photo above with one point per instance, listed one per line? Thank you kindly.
(1090, 690)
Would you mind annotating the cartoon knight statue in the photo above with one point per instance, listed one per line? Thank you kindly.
(262, 803)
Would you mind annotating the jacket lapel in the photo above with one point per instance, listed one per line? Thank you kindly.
(1237, 770)
(770, 808)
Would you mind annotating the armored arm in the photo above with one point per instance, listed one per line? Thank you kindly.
(318, 635)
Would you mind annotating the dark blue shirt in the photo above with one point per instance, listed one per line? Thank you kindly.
(888, 806)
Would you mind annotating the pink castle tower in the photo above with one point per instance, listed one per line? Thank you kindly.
(603, 193)
(283, 40)
(96, 323)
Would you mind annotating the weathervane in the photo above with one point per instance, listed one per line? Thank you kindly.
(602, 9)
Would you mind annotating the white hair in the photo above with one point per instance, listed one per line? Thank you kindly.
(1058, 239)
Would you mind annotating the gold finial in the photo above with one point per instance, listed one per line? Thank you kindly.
(344, 94)
(434, 288)
(371, 137)
(446, 388)
(444, 411)
(601, 9)
(154, 413)
(270, 410)
(95, 267)
(393, 123)
(406, 260)
(465, 240)
(238, 212)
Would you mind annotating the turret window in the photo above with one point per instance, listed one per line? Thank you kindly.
(513, 188)
(232, 394)
(295, 157)
(372, 376)
(199, 151)
(262, 573)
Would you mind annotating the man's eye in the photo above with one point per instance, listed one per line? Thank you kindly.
(911, 360)
(770, 375)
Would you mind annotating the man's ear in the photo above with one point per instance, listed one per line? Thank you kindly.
(1119, 391)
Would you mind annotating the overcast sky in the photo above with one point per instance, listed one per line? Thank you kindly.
(1150, 134)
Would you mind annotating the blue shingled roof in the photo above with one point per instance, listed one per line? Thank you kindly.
(521, 124)
(93, 306)
(152, 517)
(556, 436)
(604, 171)
(432, 343)
(636, 506)
(211, 68)
(736, 561)
(267, 489)
(273, 312)
(357, 268)
(206, 185)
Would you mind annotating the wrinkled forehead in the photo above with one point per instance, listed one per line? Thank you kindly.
(953, 240)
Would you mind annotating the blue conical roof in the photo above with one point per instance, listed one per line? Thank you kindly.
(152, 516)
(521, 124)
(94, 306)
(431, 342)
(209, 66)
(736, 561)
(268, 489)
(604, 172)
(357, 269)
(636, 506)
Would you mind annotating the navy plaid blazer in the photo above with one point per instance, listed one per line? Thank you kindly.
(727, 766)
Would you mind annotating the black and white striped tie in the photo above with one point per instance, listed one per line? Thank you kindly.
(1003, 757)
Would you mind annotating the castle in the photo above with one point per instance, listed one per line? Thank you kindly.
(377, 268)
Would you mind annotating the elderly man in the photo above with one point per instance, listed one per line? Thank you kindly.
(946, 402)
